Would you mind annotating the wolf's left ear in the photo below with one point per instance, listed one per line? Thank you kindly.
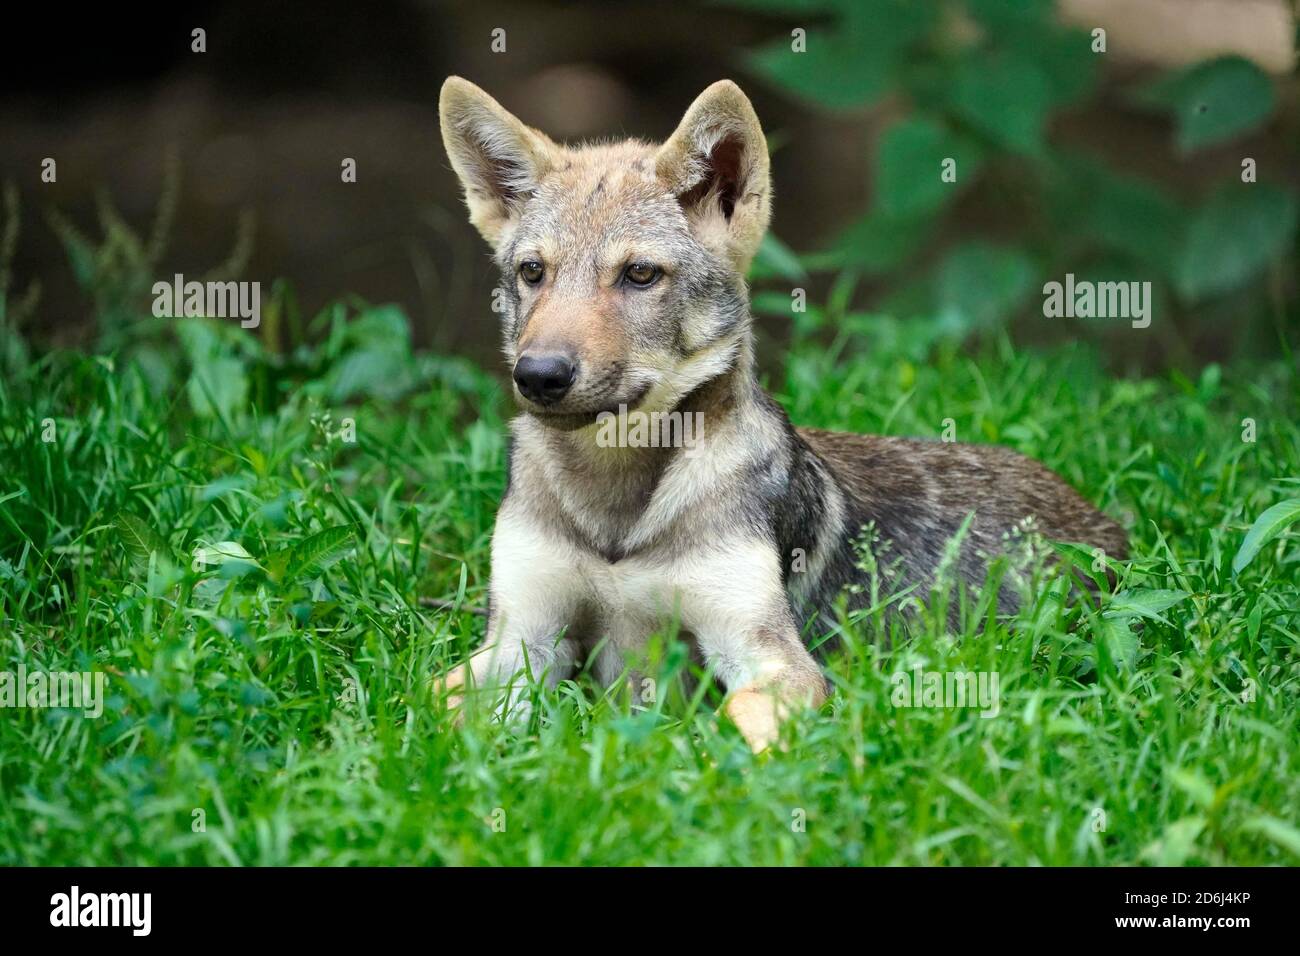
(499, 160)
(716, 164)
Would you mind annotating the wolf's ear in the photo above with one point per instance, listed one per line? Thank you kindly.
(498, 159)
(716, 164)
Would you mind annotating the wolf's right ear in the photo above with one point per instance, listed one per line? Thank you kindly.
(498, 159)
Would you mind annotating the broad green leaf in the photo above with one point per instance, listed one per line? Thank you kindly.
(637, 727)
(139, 538)
(1079, 555)
(1028, 28)
(826, 74)
(231, 557)
(1213, 102)
(1148, 603)
(157, 367)
(223, 551)
(200, 339)
(1121, 642)
(217, 387)
(218, 382)
(1266, 527)
(1067, 62)
(909, 166)
(1005, 96)
(312, 555)
(1234, 236)
(851, 61)
(372, 356)
(381, 371)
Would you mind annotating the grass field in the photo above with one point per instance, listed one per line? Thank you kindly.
(240, 541)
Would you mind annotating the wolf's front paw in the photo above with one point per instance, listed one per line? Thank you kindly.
(450, 688)
(756, 714)
(463, 687)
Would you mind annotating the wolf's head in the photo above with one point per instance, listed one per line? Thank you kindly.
(622, 264)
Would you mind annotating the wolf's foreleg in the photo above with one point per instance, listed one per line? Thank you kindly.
(735, 604)
(534, 597)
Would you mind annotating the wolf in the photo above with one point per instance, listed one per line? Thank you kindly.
(623, 292)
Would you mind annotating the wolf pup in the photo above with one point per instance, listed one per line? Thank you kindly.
(623, 294)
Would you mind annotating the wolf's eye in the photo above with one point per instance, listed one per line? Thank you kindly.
(532, 271)
(641, 273)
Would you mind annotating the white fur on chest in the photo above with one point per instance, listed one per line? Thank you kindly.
(721, 591)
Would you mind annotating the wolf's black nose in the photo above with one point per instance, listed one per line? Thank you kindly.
(544, 378)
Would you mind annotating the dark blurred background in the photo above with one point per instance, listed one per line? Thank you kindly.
(1072, 160)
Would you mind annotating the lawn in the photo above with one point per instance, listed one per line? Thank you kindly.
(269, 554)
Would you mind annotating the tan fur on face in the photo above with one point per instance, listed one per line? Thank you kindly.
(584, 326)
(695, 208)
(586, 190)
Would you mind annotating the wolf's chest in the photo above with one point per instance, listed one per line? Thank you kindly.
(630, 587)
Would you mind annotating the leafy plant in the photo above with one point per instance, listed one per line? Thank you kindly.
(14, 310)
(118, 271)
(982, 83)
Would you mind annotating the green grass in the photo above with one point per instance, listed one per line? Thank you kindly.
(289, 699)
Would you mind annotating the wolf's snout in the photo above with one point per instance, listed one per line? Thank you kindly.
(544, 379)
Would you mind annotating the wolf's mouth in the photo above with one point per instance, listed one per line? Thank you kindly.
(572, 420)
